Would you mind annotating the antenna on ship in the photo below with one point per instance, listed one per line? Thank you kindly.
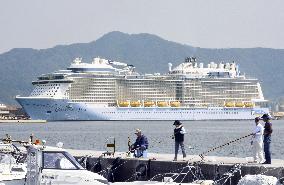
(193, 61)
(187, 60)
(170, 66)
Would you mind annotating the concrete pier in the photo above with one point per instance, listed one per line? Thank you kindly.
(121, 168)
(22, 121)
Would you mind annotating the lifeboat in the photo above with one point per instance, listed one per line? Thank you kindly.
(135, 104)
(229, 104)
(123, 104)
(249, 104)
(149, 104)
(239, 104)
(175, 104)
(162, 104)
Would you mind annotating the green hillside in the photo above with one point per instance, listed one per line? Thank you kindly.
(149, 53)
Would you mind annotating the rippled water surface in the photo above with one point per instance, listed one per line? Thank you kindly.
(202, 135)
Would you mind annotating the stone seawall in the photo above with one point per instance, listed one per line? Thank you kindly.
(226, 170)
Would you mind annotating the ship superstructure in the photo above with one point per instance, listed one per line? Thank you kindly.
(110, 90)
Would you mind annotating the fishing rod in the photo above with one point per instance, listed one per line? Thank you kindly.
(220, 146)
(116, 166)
(202, 155)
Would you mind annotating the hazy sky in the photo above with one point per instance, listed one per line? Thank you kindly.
(202, 23)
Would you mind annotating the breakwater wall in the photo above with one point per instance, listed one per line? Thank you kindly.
(117, 169)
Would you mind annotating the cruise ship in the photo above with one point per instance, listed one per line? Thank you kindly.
(111, 90)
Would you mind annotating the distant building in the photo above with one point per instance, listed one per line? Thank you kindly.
(281, 107)
(4, 112)
(11, 112)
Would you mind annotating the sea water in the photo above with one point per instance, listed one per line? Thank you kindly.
(200, 137)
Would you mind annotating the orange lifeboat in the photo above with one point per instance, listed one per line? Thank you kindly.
(249, 104)
(135, 104)
(229, 104)
(123, 104)
(239, 104)
(149, 104)
(162, 104)
(175, 104)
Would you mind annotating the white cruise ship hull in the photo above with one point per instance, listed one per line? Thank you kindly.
(63, 110)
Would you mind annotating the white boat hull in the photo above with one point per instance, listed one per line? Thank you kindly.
(13, 182)
(62, 109)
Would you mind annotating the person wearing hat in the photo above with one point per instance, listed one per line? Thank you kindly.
(257, 141)
(179, 132)
(267, 138)
(141, 145)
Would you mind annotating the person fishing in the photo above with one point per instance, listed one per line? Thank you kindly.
(179, 132)
(139, 148)
(267, 138)
(257, 141)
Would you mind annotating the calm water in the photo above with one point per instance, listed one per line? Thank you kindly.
(202, 135)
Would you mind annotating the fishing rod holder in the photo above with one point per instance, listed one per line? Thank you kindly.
(110, 147)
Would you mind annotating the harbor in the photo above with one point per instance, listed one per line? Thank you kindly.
(201, 136)
(22, 121)
(142, 92)
(88, 141)
(41, 163)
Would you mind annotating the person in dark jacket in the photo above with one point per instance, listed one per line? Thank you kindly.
(141, 145)
(267, 138)
(179, 132)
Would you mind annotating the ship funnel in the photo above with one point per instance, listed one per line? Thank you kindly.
(96, 60)
(170, 66)
(77, 60)
(227, 66)
(221, 65)
(212, 64)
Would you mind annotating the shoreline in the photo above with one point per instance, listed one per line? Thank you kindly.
(23, 121)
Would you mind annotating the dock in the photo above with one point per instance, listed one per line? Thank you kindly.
(120, 168)
(22, 121)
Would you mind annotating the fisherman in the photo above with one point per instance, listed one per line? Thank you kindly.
(139, 148)
(267, 137)
(179, 132)
(257, 141)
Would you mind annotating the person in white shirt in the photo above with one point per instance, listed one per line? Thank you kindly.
(257, 141)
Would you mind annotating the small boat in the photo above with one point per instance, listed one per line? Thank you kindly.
(49, 165)
(13, 169)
